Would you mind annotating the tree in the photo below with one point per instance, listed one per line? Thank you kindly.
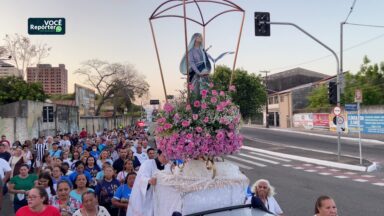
(3, 52)
(14, 89)
(113, 80)
(250, 93)
(318, 98)
(24, 53)
(370, 79)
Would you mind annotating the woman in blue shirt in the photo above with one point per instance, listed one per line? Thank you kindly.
(106, 189)
(121, 196)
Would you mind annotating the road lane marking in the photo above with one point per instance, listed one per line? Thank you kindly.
(350, 173)
(334, 170)
(379, 184)
(360, 180)
(246, 161)
(341, 177)
(324, 173)
(287, 146)
(260, 159)
(287, 165)
(309, 160)
(320, 167)
(310, 170)
(240, 165)
(367, 176)
(298, 168)
(267, 156)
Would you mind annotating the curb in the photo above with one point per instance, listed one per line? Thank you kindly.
(318, 135)
(370, 168)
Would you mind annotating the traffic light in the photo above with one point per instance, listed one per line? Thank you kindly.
(262, 26)
(332, 93)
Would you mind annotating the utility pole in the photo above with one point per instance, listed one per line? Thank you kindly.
(266, 103)
(339, 84)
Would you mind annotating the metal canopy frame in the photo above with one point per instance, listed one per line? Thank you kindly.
(165, 7)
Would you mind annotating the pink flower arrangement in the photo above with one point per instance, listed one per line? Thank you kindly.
(209, 126)
(196, 104)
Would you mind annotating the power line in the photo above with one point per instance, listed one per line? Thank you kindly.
(364, 42)
(326, 56)
(365, 25)
(350, 11)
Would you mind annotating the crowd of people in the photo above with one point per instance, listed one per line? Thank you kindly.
(73, 174)
(83, 175)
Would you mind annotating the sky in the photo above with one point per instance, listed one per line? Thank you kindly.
(119, 31)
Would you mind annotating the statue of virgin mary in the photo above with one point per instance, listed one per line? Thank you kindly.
(198, 62)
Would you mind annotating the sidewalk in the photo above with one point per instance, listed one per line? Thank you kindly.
(369, 138)
(322, 158)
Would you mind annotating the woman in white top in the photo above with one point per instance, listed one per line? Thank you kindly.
(265, 192)
(90, 206)
(65, 158)
(128, 168)
(17, 158)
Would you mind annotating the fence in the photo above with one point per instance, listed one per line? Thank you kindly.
(94, 124)
(371, 120)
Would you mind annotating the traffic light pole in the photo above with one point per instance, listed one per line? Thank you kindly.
(338, 72)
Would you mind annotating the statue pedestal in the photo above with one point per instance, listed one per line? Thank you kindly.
(193, 189)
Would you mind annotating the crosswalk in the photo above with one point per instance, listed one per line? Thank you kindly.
(251, 158)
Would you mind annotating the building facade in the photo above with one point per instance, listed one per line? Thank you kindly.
(7, 70)
(53, 79)
(288, 93)
(26, 119)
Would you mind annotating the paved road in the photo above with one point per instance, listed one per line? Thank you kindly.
(371, 151)
(298, 184)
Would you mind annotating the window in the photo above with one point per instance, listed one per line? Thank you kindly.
(48, 114)
(281, 98)
(270, 100)
(276, 99)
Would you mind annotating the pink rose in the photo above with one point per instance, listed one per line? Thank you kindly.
(232, 88)
(196, 104)
(213, 100)
(199, 129)
(161, 120)
(167, 126)
(189, 136)
(211, 85)
(214, 92)
(191, 87)
(204, 93)
(219, 108)
(188, 107)
(222, 93)
(168, 107)
(185, 123)
(204, 106)
(206, 119)
(219, 135)
(195, 117)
